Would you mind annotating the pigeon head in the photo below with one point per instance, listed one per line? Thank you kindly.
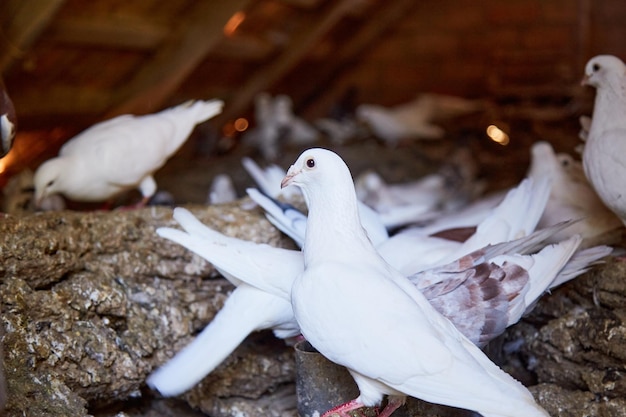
(601, 69)
(316, 166)
(324, 179)
(48, 179)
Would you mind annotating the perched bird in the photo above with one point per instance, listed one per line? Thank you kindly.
(276, 125)
(222, 190)
(339, 131)
(285, 216)
(263, 276)
(8, 121)
(572, 197)
(415, 119)
(292, 221)
(411, 249)
(297, 130)
(120, 154)
(403, 203)
(268, 179)
(603, 154)
(403, 346)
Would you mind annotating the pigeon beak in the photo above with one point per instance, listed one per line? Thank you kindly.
(584, 81)
(291, 173)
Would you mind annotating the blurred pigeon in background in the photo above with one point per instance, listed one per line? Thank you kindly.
(276, 126)
(572, 197)
(415, 119)
(8, 121)
(120, 154)
(222, 190)
(603, 155)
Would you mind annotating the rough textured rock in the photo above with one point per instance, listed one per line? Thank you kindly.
(92, 302)
(574, 345)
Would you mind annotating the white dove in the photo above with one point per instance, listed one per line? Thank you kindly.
(8, 121)
(359, 312)
(603, 154)
(222, 190)
(411, 250)
(268, 179)
(263, 276)
(120, 154)
(414, 120)
(403, 203)
(571, 197)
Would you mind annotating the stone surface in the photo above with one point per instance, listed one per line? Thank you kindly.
(92, 302)
(574, 345)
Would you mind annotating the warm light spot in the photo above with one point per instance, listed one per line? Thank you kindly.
(6, 161)
(241, 124)
(233, 23)
(229, 130)
(497, 135)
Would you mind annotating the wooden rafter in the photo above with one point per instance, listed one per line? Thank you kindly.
(108, 31)
(160, 77)
(298, 48)
(386, 16)
(24, 21)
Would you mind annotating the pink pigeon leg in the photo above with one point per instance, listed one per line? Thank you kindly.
(393, 404)
(343, 409)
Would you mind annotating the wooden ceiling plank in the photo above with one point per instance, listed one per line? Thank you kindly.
(160, 77)
(304, 4)
(261, 80)
(243, 48)
(64, 100)
(27, 20)
(386, 17)
(109, 31)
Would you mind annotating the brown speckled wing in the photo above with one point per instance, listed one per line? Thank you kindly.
(475, 295)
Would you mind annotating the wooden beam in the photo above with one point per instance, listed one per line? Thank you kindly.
(386, 16)
(263, 78)
(304, 4)
(67, 100)
(109, 31)
(160, 77)
(243, 48)
(23, 22)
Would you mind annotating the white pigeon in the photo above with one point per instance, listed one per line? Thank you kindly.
(268, 179)
(276, 125)
(8, 121)
(402, 203)
(292, 221)
(339, 132)
(120, 154)
(297, 130)
(249, 265)
(605, 147)
(571, 197)
(414, 120)
(359, 312)
(222, 190)
(411, 249)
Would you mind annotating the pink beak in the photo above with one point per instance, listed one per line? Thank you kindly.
(584, 81)
(289, 177)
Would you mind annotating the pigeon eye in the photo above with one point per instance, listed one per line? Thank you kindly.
(595, 67)
(310, 162)
(50, 183)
